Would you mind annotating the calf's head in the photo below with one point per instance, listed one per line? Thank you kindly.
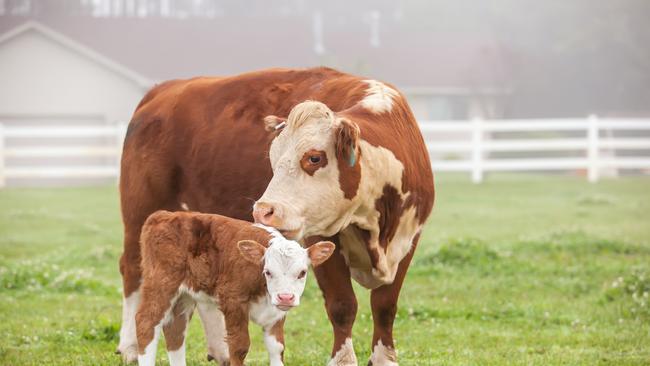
(285, 265)
(316, 172)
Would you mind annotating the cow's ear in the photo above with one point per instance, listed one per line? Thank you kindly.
(347, 141)
(251, 250)
(320, 252)
(274, 123)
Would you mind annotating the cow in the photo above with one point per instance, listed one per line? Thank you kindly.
(321, 154)
(247, 271)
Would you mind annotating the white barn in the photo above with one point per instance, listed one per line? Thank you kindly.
(50, 80)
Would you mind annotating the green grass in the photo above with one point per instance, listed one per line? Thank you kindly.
(524, 270)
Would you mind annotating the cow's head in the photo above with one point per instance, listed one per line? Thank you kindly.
(285, 266)
(316, 172)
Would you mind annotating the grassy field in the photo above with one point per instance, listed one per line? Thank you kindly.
(521, 270)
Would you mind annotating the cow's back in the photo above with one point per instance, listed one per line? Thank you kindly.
(200, 144)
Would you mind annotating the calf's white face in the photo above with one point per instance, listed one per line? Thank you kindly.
(304, 196)
(285, 266)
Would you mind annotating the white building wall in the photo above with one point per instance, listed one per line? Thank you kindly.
(41, 77)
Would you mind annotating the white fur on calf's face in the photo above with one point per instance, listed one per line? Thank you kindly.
(285, 266)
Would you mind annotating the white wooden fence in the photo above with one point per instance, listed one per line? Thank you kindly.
(479, 141)
(471, 141)
(114, 133)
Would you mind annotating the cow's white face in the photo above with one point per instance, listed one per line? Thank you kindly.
(285, 266)
(305, 196)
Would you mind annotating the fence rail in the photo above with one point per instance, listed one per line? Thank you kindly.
(479, 140)
(476, 141)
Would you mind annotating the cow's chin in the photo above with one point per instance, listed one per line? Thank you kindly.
(293, 234)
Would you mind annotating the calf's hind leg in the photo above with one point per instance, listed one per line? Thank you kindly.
(176, 329)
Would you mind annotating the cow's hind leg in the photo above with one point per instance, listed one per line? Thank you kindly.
(176, 329)
(214, 327)
(335, 282)
(383, 301)
(131, 277)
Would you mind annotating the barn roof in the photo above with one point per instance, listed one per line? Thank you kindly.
(417, 62)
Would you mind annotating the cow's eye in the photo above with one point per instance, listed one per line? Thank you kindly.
(314, 159)
(302, 274)
(267, 273)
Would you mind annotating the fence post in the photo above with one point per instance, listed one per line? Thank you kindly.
(592, 149)
(3, 181)
(477, 150)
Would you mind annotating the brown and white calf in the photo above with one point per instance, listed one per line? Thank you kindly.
(241, 270)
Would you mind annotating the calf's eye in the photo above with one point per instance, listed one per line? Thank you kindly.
(267, 273)
(302, 274)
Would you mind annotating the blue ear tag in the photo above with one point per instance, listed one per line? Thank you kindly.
(353, 156)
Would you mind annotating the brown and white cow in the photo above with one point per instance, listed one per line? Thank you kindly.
(246, 271)
(349, 164)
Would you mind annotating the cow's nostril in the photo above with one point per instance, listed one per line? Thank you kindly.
(269, 213)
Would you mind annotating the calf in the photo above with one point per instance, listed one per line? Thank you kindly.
(220, 265)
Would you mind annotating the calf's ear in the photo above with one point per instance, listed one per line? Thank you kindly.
(320, 252)
(251, 250)
(274, 123)
(347, 141)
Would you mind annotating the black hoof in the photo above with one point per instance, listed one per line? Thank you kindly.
(118, 352)
(210, 358)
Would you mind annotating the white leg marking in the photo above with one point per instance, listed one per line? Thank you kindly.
(177, 357)
(383, 356)
(345, 356)
(214, 327)
(128, 346)
(274, 348)
(149, 356)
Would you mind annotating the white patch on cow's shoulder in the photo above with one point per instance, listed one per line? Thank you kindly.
(345, 356)
(379, 97)
(383, 356)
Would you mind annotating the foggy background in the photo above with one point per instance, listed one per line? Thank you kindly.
(527, 58)
(72, 72)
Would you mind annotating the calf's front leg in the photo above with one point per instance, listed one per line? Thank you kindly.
(274, 341)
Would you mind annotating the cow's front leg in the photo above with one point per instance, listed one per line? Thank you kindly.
(274, 341)
(335, 282)
(383, 301)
